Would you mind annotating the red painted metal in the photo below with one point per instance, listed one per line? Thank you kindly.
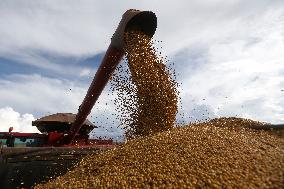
(53, 138)
(108, 65)
(145, 21)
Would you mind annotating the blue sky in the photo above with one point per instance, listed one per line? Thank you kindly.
(228, 56)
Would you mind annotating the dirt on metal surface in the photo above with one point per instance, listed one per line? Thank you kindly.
(23, 167)
(60, 122)
(60, 117)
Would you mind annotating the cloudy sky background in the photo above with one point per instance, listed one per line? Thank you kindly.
(229, 56)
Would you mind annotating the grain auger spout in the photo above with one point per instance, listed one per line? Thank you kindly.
(144, 21)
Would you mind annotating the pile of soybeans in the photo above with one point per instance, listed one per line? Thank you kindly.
(221, 153)
(216, 154)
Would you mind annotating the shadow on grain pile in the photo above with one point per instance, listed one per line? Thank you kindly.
(216, 154)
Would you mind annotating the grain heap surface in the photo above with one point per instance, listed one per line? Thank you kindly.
(235, 122)
(148, 94)
(204, 155)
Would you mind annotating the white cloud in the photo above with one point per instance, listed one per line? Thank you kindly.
(43, 96)
(19, 122)
(34, 93)
(243, 76)
(85, 72)
(38, 94)
(73, 28)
